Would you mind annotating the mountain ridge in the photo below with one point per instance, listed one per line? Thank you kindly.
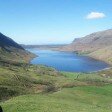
(12, 51)
(7, 42)
(95, 45)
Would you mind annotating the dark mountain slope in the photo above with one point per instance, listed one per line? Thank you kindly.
(8, 42)
(11, 51)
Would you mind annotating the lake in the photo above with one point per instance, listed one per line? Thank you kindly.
(67, 61)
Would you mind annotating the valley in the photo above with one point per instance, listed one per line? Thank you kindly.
(30, 88)
(55, 56)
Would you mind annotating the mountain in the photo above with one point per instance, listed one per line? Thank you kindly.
(8, 42)
(49, 46)
(97, 45)
(11, 51)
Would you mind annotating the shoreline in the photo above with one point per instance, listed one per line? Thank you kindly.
(81, 54)
(110, 66)
(101, 70)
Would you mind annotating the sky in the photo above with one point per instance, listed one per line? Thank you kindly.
(53, 21)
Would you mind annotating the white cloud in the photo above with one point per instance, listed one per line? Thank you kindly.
(95, 15)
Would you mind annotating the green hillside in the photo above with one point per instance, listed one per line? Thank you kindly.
(77, 99)
(26, 88)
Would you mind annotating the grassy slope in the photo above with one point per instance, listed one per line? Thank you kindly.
(77, 99)
(50, 91)
(23, 79)
(104, 54)
(17, 55)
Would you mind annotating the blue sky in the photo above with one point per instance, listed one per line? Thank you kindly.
(53, 21)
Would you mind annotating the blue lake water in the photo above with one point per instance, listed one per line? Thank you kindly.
(67, 61)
